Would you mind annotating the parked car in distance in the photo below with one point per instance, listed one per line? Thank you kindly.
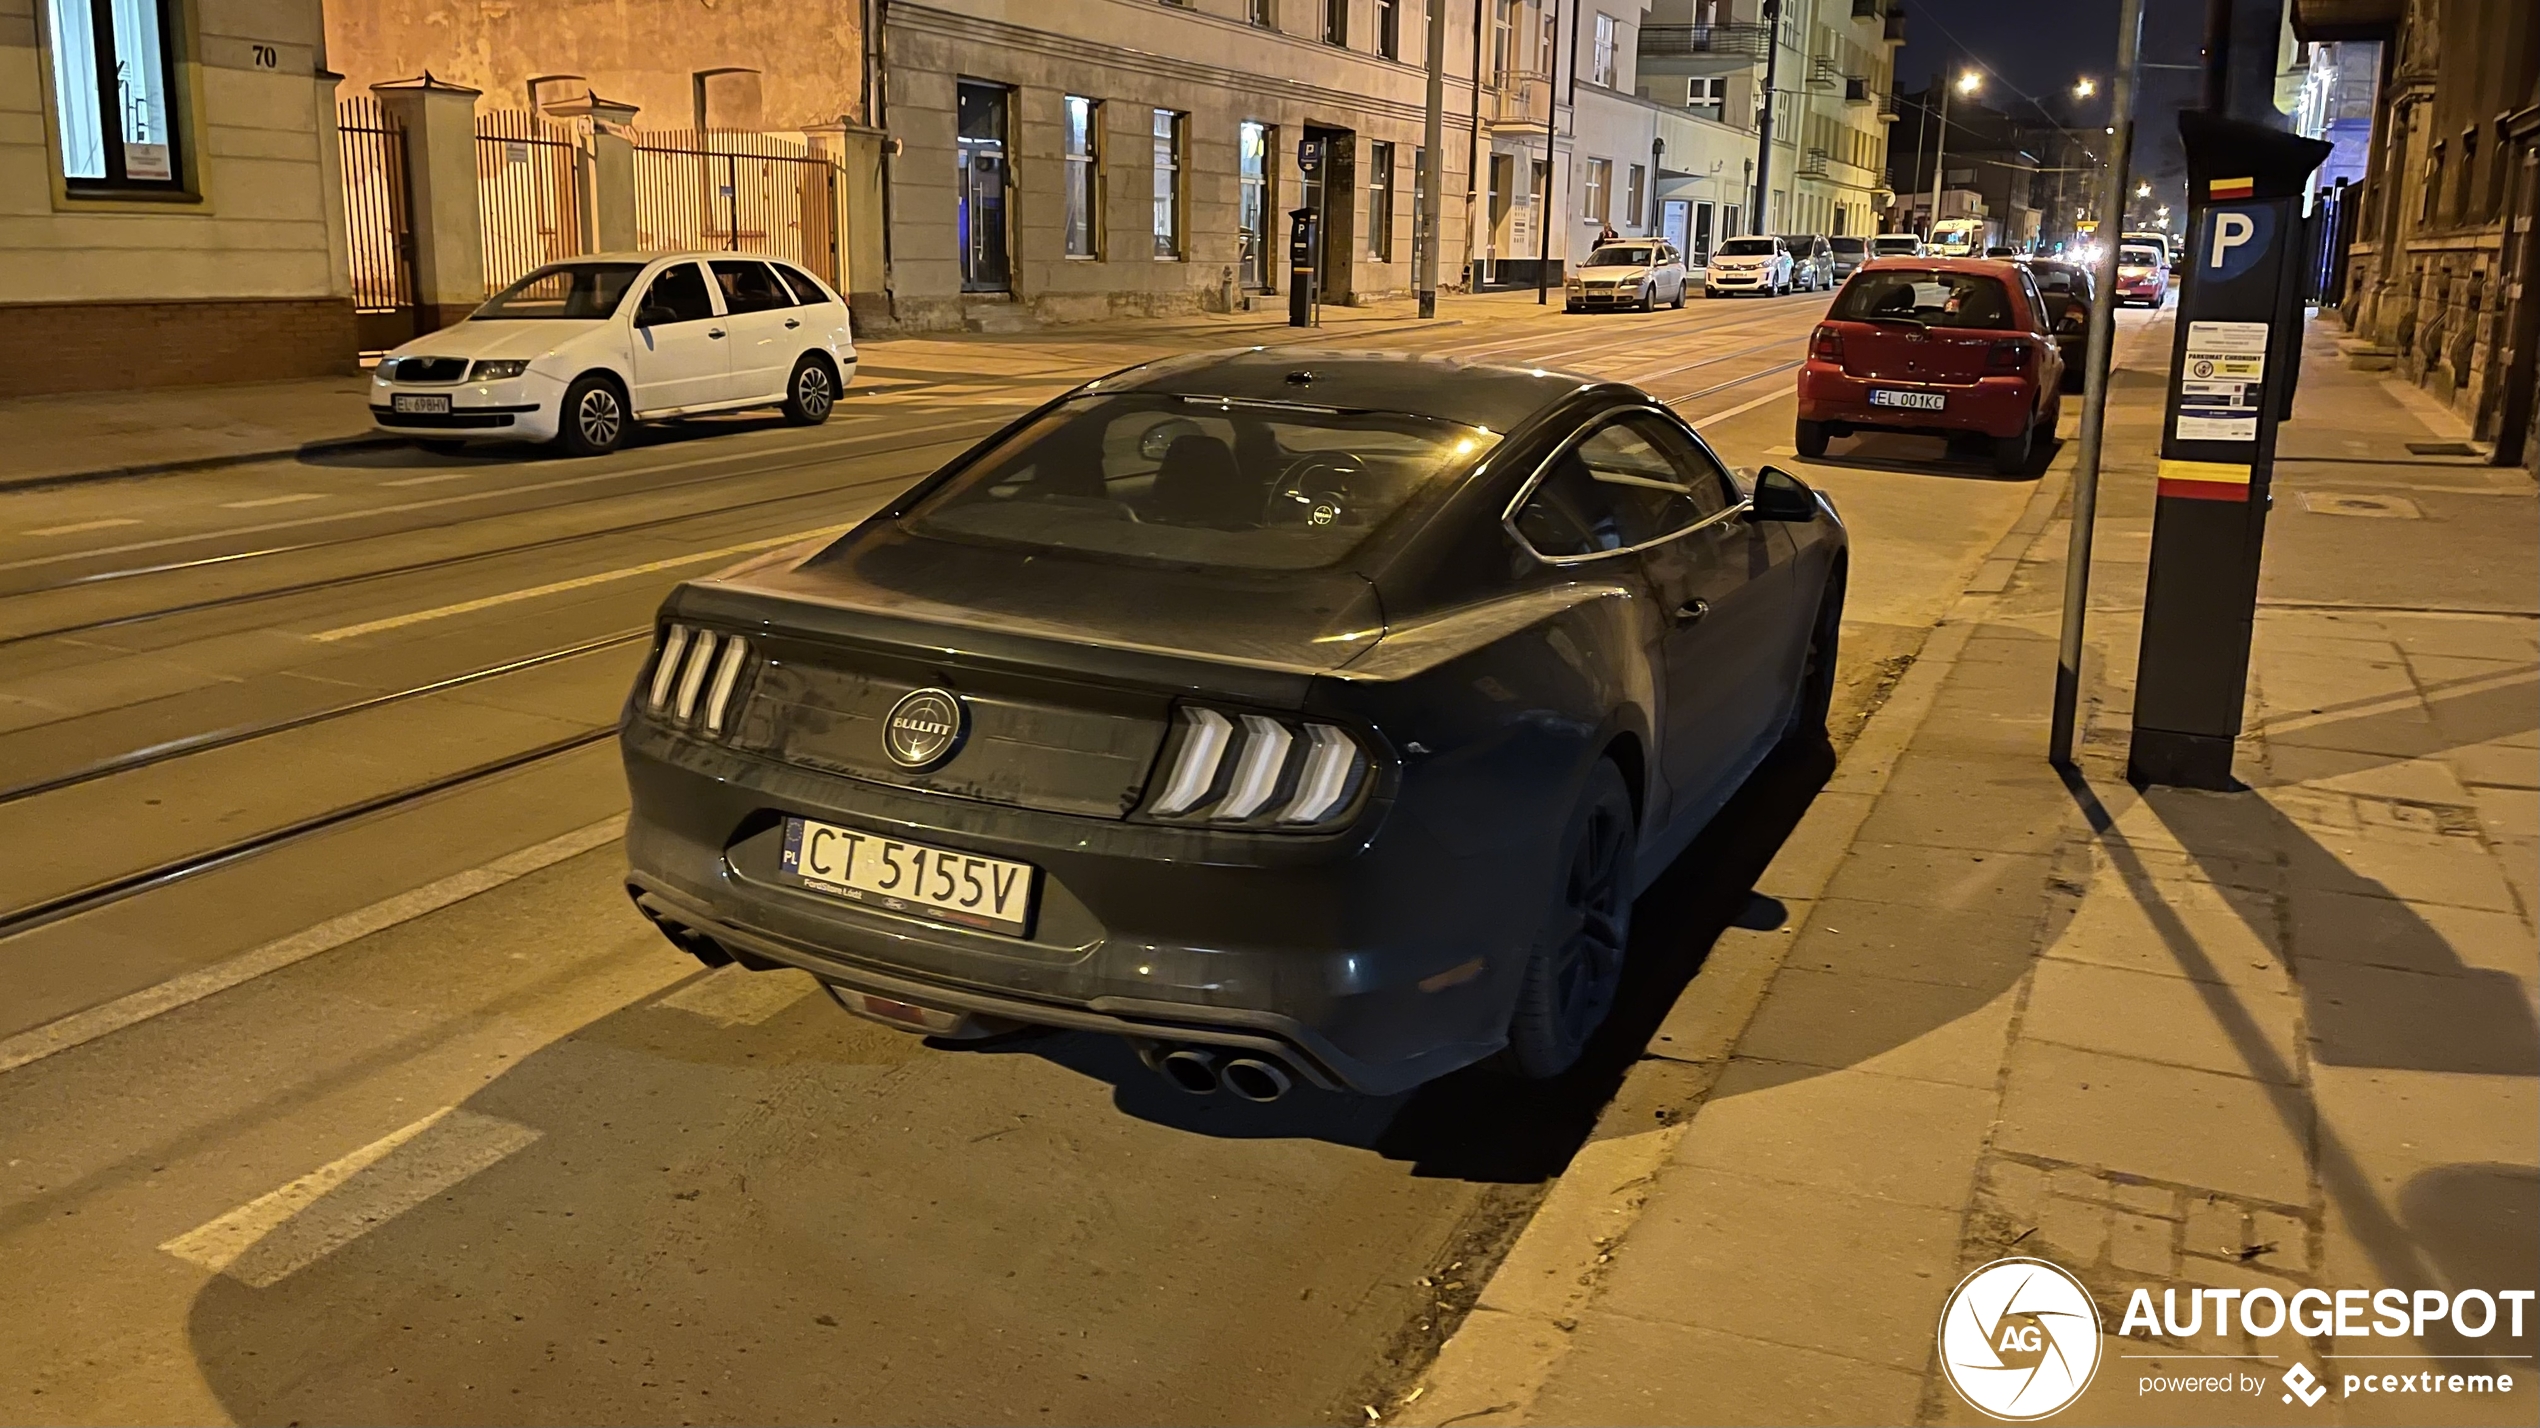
(2067, 288)
(1897, 245)
(1811, 262)
(1639, 273)
(1958, 347)
(1849, 253)
(1299, 716)
(2143, 273)
(2160, 240)
(579, 350)
(1759, 264)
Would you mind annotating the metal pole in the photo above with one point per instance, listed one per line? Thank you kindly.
(1764, 126)
(1939, 162)
(1433, 138)
(2094, 394)
(1551, 160)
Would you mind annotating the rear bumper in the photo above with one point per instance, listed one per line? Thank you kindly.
(1993, 406)
(1370, 959)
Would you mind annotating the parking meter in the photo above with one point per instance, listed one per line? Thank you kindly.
(1301, 293)
(2239, 323)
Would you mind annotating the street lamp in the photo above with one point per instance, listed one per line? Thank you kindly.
(1967, 83)
(2143, 190)
(2085, 89)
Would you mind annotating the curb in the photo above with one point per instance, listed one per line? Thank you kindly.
(1518, 1331)
(200, 463)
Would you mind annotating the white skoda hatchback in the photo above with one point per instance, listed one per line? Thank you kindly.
(578, 350)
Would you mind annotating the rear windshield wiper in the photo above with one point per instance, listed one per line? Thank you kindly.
(1890, 317)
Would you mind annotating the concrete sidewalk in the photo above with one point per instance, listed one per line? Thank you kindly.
(2281, 1038)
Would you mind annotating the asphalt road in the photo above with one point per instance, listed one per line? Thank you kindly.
(320, 1099)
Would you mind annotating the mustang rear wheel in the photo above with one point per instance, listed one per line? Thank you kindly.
(1577, 961)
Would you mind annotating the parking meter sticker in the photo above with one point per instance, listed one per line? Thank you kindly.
(2222, 375)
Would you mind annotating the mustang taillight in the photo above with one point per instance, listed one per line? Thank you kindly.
(1256, 771)
(2010, 355)
(1826, 345)
(695, 677)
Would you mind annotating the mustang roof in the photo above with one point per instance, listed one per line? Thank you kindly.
(1451, 389)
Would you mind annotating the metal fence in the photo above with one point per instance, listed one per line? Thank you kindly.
(738, 191)
(528, 193)
(378, 222)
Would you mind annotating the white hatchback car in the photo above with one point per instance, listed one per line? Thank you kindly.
(1749, 265)
(578, 350)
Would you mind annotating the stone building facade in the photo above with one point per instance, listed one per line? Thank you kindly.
(166, 206)
(2442, 281)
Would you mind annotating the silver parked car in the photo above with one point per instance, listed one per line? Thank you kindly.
(1639, 273)
(1811, 262)
(1849, 254)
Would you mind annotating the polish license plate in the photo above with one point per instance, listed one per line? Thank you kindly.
(419, 406)
(1917, 401)
(910, 878)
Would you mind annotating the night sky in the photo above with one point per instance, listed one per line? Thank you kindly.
(2038, 48)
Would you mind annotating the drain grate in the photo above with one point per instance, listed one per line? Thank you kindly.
(2355, 503)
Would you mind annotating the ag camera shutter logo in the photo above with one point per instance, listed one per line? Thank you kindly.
(2019, 1339)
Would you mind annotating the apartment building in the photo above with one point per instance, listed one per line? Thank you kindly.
(163, 183)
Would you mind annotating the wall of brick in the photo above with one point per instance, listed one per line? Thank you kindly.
(102, 346)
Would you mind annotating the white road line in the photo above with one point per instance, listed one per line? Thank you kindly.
(284, 1231)
(80, 1028)
(293, 499)
(1744, 407)
(443, 476)
(580, 582)
(83, 526)
(737, 996)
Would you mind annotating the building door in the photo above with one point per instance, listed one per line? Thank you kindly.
(982, 225)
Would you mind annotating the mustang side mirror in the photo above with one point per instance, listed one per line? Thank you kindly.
(1780, 496)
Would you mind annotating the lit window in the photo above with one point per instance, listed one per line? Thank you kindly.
(1389, 28)
(1600, 177)
(114, 82)
(1601, 58)
(1168, 183)
(1084, 180)
(1380, 202)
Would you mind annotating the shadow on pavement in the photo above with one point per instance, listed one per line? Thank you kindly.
(411, 454)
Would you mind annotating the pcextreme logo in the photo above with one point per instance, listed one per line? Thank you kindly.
(2019, 1339)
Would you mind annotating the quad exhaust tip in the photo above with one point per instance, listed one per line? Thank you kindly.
(1203, 1072)
(1255, 1079)
(1191, 1069)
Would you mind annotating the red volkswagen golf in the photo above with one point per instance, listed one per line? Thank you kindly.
(1955, 347)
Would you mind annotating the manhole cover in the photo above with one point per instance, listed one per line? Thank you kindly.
(2441, 448)
(2349, 503)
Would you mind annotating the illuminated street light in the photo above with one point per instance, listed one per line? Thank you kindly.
(2085, 89)
(1967, 82)
(2143, 190)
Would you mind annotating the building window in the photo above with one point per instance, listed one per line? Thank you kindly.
(114, 94)
(1380, 202)
(1389, 28)
(1635, 193)
(1549, 40)
(1600, 177)
(1253, 146)
(1336, 22)
(1503, 42)
(1168, 183)
(1258, 12)
(1084, 177)
(1601, 58)
(2433, 183)
(1708, 97)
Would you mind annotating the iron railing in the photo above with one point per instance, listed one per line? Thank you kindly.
(737, 191)
(378, 222)
(1740, 41)
(529, 193)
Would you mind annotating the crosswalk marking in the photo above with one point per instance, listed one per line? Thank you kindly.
(277, 1234)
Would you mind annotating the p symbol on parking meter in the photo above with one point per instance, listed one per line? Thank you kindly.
(2235, 240)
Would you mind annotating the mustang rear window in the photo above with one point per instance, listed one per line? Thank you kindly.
(1198, 481)
(1933, 299)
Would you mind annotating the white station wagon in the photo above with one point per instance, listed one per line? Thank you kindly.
(579, 349)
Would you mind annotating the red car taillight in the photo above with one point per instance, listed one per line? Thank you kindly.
(1826, 345)
(2011, 355)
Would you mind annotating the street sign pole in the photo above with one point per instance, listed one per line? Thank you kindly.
(2094, 391)
(2245, 184)
(1433, 147)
